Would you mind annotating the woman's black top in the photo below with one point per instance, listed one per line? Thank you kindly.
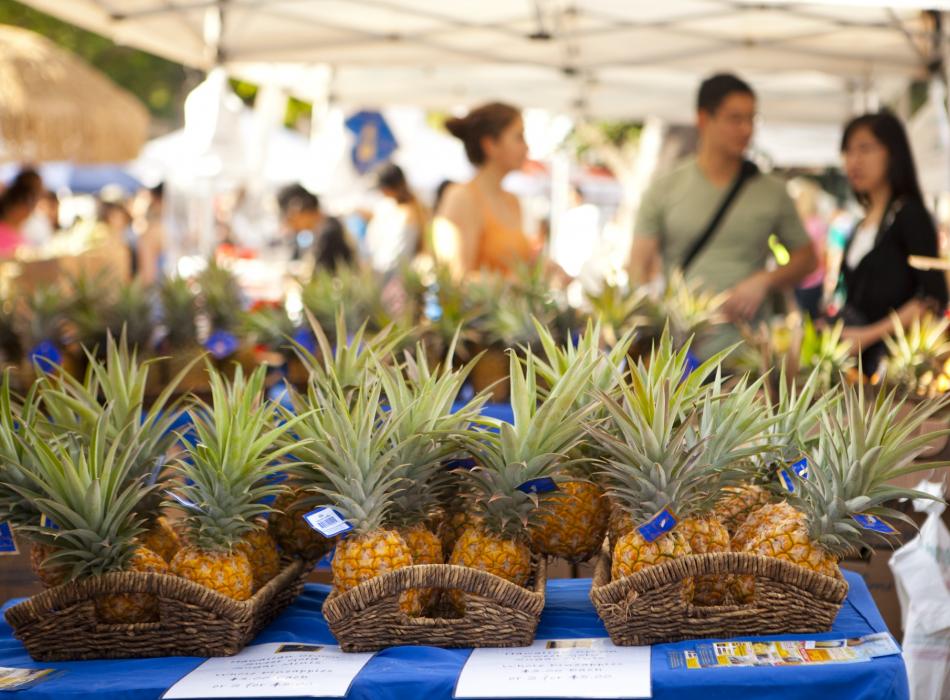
(884, 281)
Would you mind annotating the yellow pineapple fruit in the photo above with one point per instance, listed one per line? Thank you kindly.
(862, 446)
(291, 532)
(573, 524)
(225, 477)
(261, 552)
(128, 608)
(707, 535)
(738, 502)
(348, 464)
(672, 446)
(224, 572)
(161, 538)
(49, 574)
(89, 527)
(519, 465)
(619, 522)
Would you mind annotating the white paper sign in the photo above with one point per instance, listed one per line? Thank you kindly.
(273, 671)
(570, 668)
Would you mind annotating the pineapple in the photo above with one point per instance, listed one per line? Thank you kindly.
(535, 447)
(40, 321)
(291, 532)
(345, 362)
(916, 356)
(862, 445)
(667, 459)
(426, 438)
(793, 432)
(91, 301)
(574, 524)
(89, 495)
(120, 382)
(617, 309)
(349, 464)
(224, 479)
(685, 309)
(825, 351)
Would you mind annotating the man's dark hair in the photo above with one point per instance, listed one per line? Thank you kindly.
(296, 198)
(715, 89)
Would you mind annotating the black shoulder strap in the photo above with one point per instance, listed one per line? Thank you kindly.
(746, 172)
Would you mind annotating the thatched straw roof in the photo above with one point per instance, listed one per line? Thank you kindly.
(53, 106)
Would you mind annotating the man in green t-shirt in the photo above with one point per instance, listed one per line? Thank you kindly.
(678, 206)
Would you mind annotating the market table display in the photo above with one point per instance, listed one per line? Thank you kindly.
(417, 672)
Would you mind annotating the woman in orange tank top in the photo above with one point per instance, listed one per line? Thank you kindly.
(478, 225)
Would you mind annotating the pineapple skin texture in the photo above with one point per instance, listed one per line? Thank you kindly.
(228, 574)
(778, 530)
(129, 608)
(425, 548)
(480, 550)
(573, 525)
(362, 557)
(738, 503)
(292, 533)
(424, 545)
(50, 575)
(261, 551)
(632, 553)
(162, 539)
(453, 526)
(619, 524)
(707, 536)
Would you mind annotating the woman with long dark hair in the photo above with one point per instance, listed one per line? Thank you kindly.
(479, 225)
(876, 274)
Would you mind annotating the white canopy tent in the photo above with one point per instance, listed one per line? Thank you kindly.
(810, 61)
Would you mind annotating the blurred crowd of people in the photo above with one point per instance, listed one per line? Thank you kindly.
(714, 216)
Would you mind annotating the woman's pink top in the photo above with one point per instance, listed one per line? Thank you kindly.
(10, 239)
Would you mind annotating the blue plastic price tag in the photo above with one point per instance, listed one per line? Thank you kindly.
(543, 485)
(660, 524)
(7, 543)
(874, 523)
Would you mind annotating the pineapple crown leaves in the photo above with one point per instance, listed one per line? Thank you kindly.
(351, 457)
(914, 351)
(558, 358)
(797, 412)
(88, 494)
(735, 427)
(686, 309)
(233, 456)
(535, 446)
(825, 349)
(347, 361)
(179, 311)
(428, 432)
(862, 445)
(221, 297)
(15, 458)
(652, 462)
(120, 382)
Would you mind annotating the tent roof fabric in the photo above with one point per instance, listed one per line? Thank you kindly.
(601, 57)
(53, 106)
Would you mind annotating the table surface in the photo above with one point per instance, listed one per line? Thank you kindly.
(429, 672)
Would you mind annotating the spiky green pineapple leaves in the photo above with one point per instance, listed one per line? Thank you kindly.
(236, 450)
(864, 444)
(87, 490)
(537, 445)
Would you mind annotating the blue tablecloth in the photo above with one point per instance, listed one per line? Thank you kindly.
(408, 673)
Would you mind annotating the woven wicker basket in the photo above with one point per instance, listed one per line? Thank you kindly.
(648, 608)
(60, 624)
(497, 613)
